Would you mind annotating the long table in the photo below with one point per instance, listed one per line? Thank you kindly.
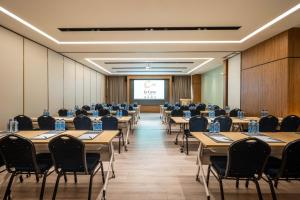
(208, 147)
(124, 123)
(93, 145)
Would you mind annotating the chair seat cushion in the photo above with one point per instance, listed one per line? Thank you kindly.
(44, 162)
(219, 164)
(272, 167)
(92, 160)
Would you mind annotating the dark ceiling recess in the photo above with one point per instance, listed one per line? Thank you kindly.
(194, 28)
(151, 62)
(151, 67)
(150, 71)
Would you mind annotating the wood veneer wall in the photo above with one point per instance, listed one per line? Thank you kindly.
(196, 87)
(270, 75)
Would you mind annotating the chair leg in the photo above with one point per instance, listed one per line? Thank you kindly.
(123, 140)
(90, 187)
(247, 183)
(276, 183)
(43, 185)
(21, 178)
(65, 177)
(102, 172)
(37, 177)
(8, 188)
(208, 174)
(119, 144)
(187, 145)
(221, 188)
(272, 189)
(75, 177)
(56, 185)
(258, 189)
(237, 183)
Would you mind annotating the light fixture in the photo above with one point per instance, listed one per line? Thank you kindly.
(148, 67)
(275, 20)
(95, 64)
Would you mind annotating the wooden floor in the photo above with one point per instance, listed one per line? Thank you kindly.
(152, 169)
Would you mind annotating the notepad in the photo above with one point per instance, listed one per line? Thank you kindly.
(218, 138)
(264, 138)
(90, 135)
(47, 135)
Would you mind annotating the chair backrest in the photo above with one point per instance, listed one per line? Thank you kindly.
(219, 112)
(123, 105)
(290, 123)
(18, 153)
(198, 123)
(225, 123)
(135, 105)
(124, 112)
(81, 112)
(170, 107)
(130, 107)
(25, 123)
(177, 113)
(63, 112)
(216, 107)
(290, 166)
(234, 112)
(82, 122)
(68, 154)
(247, 157)
(184, 107)
(86, 107)
(195, 112)
(98, 106)
(109, 104)
(109, 123)
(192, 104)
(166, 104)
(201, 107)
(46, 123)
(115, 108)
(103, 112)
(268, 124)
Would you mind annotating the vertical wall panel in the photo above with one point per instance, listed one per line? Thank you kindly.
(93, 87)
(11, 76)
(98, 85)
(35, 79)
(234, 81)
(79, 85)
(103, 88)
(87, 86)
(69, 83)
(56, 82)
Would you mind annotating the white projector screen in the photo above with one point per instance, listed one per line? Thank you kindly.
(149, 89)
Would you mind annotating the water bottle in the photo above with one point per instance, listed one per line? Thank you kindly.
(121, 113)
(189, 114)
(227, 109)
(242, 114)
(256, 127)
(16, 126)
(100, 125)
(63, 125)
(57, 125)
(95, 125)
(212, 127)
(250, 127)
(217, 127)
(11, 125)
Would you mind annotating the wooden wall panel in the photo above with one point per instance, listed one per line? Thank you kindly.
(35, 79)
(56, 82)
(196, 87)
(294, 86)
(250, 91)
(294, 42)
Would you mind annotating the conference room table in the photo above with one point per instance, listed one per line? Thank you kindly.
(166, 114)
(104, 138)
(124, 123)
(208, 146)
(236, 122)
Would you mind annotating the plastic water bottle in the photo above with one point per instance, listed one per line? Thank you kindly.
(217, 127)
(227, 109)
(242, 114)
(212, 127)
(100, 125)
(250, 127)
(95, 125)
(16, 126)
(63, 125)
(11, 125)
(256, 127)
(57, 125)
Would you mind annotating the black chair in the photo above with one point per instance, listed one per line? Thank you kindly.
(219, 112)
(268, 124)
(195, 112)
(174, 113)
(103, 112)
(69, 156)
(135, 105)
(86, 107)
(169, 108)
(123, 105)
(290, 123)
(201, 107)
(24, 123)
(166, 105)
(196, 124)
(115, 108)
(246, 161)
(111, 123)
(2, 164)
(20, 158)
(234, 112)
(46, 123)
(192, 105)
(82, 122)
(286, 168)
(225, 123)
(177, 104)
(81, 112)
(216, 107)
(184, 108)
(98, 107)
(109, 104)
(130, 107)
(63, 112)
(124, 112)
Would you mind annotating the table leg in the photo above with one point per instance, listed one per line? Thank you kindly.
(127, 136)
(201, 170)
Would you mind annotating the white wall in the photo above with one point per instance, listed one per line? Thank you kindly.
(33, 78)
(234, 81)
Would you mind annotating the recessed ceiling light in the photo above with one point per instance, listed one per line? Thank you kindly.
(280, 17)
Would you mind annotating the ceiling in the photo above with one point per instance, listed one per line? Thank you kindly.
(133, 52)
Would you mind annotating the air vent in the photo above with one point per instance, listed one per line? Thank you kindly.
(196, 28)
(151, 67)
(158, 62)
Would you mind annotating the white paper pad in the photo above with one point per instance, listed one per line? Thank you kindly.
(44, 136)
(88, 136)
(266, 138)
(220, 138)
